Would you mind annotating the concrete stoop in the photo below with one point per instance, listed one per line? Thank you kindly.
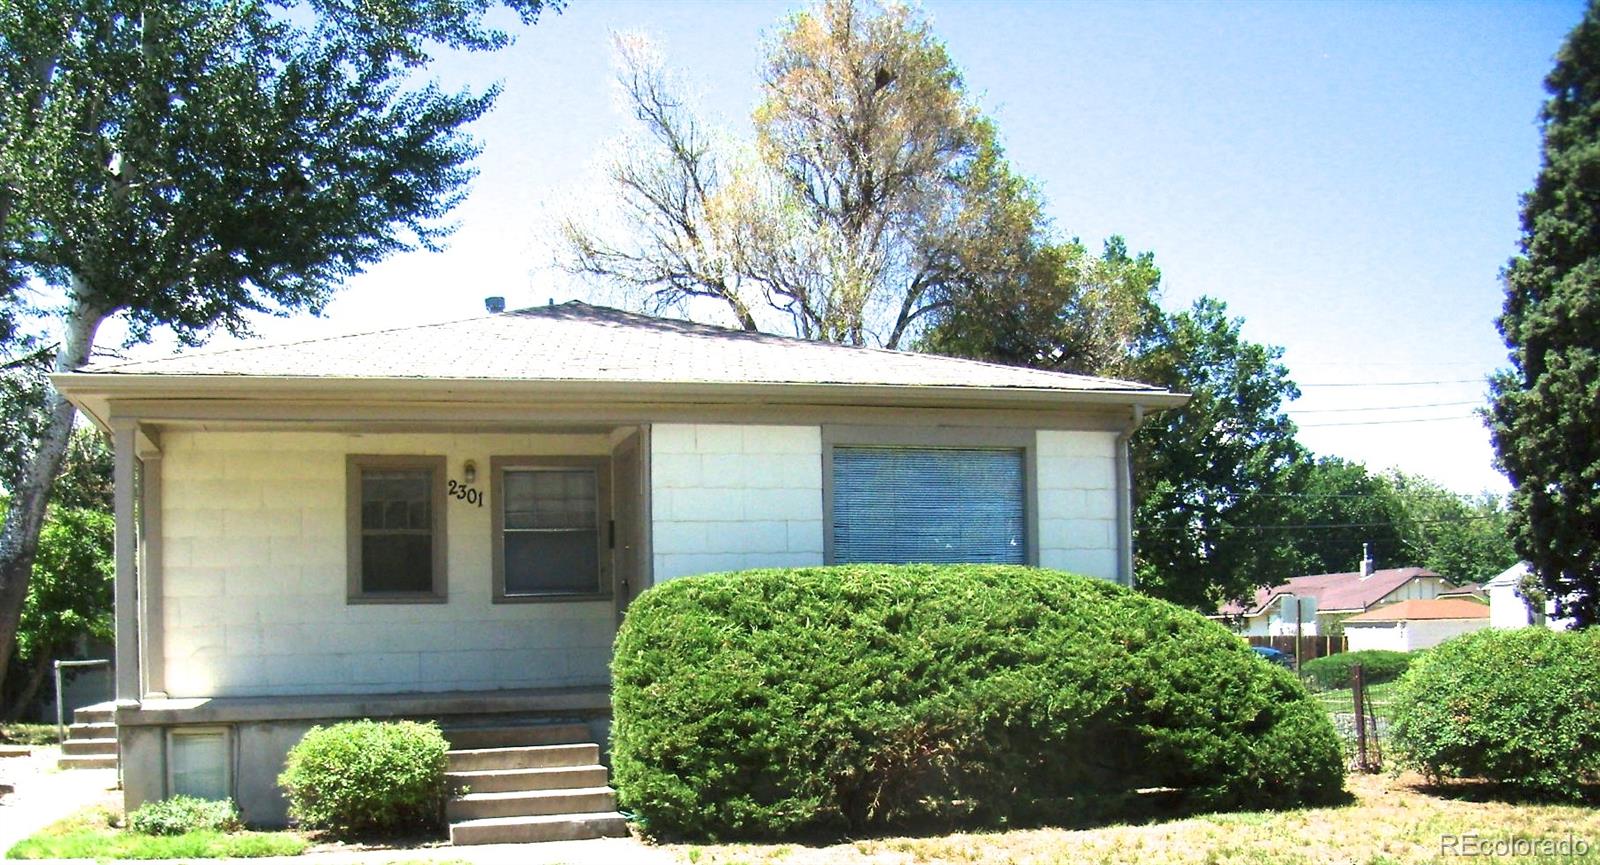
(528, 783)
(91, 740)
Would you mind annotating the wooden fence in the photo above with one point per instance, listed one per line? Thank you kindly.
(1314, 647)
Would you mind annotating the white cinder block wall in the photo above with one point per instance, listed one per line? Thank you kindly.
(254, 577)
(726, 497)
(1076, 477)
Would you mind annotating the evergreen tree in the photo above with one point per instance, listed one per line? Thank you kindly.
(1545, 413)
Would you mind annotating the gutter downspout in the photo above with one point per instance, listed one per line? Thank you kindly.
(1125, 498)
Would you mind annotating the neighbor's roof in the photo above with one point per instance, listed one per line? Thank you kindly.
(1512, 576)
(1411, 611)
(575, 344)
(1345, 591)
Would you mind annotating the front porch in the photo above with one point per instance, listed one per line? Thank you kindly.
(533, 759)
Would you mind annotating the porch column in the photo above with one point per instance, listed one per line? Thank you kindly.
(126, 593)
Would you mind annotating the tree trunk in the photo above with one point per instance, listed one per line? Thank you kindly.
(19, 539)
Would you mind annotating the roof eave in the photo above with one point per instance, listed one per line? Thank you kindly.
(93, 392)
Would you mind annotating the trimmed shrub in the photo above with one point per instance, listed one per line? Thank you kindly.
(1334, 672)
(181, 814)
(772, 702)
(1519, 707)
(367, 777)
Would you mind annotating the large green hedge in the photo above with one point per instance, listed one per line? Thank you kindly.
(1518, 707)
(771, 702)
(1332, 672)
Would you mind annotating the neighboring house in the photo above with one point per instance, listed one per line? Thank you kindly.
(1411, 625)
(1330, 599)
(1470, 592)
(449, 520)
(1510, 608)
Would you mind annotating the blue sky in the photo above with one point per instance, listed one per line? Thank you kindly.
(1344, 175)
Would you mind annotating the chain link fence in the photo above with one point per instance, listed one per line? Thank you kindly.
(1363, 715)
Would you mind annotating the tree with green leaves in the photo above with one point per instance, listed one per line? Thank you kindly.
(1212, 476)
(869, 195)
(1545, 410)
(184, 164)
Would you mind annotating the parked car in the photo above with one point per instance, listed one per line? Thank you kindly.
(1276, 656)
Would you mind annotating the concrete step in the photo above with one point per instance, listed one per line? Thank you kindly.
(515, 736)
(509, 780)
(99, 713)
(97, 730)
(530, 803)
(526, 830)
(531, 757)
(15, 750)
(96, 761)
(89, 747)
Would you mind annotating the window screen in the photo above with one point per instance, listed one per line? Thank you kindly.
(200, 765)
(903, 504)
(551, 534)
(396, 530)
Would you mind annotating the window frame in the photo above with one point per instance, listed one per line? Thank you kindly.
(952, 438)
(605, 579)
(354, 464)
(170, 755)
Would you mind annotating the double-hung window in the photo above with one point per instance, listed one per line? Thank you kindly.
(396, 528)
(934, 503)
(551, 517)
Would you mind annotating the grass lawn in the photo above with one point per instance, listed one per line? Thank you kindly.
(28, 734)
(90, 835)
(1392, 822)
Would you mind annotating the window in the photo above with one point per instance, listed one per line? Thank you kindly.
(197, 763)
(899, 504)
(397, 528)
(549, 516)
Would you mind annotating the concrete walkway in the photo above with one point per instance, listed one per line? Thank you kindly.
(45, 794)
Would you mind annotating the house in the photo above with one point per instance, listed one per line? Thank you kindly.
(1418, 624)
(1468, 591)
(448, 521)
(1510, 608)
(1328, 599)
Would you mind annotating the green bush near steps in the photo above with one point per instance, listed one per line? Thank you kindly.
(181, 814)
(1520, 708)
(367, 777)
(830, 700)
(1336, 672)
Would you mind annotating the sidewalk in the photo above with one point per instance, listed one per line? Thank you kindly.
(45, 794)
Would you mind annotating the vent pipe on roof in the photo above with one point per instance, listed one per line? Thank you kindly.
(494, 304)
(1367, 565)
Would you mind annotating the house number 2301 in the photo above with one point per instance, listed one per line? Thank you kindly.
(464, 493)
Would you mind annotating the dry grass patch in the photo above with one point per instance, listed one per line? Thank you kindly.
(1392, 822)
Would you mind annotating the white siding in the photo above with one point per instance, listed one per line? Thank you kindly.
(1077, 501)
(727, 497)
(1389, 636)
(254, 577)
(1427, 633)
(1507, 608)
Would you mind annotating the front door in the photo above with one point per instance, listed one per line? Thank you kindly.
(627, 528)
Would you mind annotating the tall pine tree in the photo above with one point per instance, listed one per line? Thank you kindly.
(1545, 414)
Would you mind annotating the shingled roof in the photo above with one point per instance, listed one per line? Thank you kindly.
(576, 342)
(1416, 610)
(1333, 592)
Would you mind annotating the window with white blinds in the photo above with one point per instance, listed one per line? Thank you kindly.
(895, 505)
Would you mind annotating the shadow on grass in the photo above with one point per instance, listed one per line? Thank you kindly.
(1484, 791)
(1138, 808)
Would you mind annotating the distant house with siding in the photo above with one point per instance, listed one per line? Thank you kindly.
(1332, 599)
(1411, 625)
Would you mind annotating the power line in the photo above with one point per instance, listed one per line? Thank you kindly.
(1394, 421)
(1386, 407)
(1322, 526)
(1483, 380)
